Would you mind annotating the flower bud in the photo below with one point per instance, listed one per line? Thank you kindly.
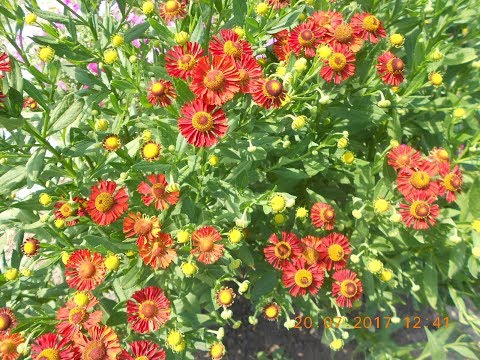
(226, 314)
(355, 258)
(384, 103)
(30, 18)
(336, 344)
(101, 124)
(243, 287)
(148, 7)
(342, 143)
(182, 38)
(262, 9)
(252, 320)
(289, 324)
(300, 65)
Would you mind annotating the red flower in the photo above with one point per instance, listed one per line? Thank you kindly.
(419, 212)
(343, 35)
(158, 252)
(340, 66)
(161, 93)
(249, 71)
(52, 346)
(84, 270)
(367, 27)
(390, 68)
(451, 182)
(403, 156)
(4, 63)
(300, 277)
(101, 344)
(323, 215)
(202, 125)
(278, 4)
(312, 246)
(8, 346)
(229, 44)
(346, 287)
(268, 93)
(104, 205)
(279, 252)
(73, 319)
(144, 350)
(157, 192)
(70, 211)
(181, 60)
(281, 46)
(148, 310)
(418, 180)
(8, 321)
(305, 38)
(215, 82)
(143, 226)
(335, 251)
(173, 9)
(204, 242)
(327, 19)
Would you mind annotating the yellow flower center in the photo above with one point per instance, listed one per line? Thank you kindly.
(151, 151)
(436, 79)
(66, 210)
(306, 38)
(158, 89)
(216, 351)
(186, 62)
(310, 255)
(157, 248)
(419, 209)
(381, 205)
(112, 143)
(225, 297)
(95, 350)
(147, 310)
(172, 6)
(5, 322)
(77, 315)
(142, 226)
(452, 182)
(206, 244)
(420, 179)
(214, 80)
(174, 338)
(303, 278)
(104, 202)
(336, 252)
(87, 269)
(283, 250)
(337, 62)
(442, 154)
(271, 312)
(343, 33)
(141, 358)
(371, 23)
(7, 347)
(49, 354)
(348, 288)
(272, 88)
(202, 121)
(244, 76)
(324, 51)
(233, 49)
(30, 248)
(328, 214)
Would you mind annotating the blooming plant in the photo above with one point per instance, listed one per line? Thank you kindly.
(162, 160)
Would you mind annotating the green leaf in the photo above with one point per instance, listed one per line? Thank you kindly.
(136, 32)
(239, 12)
(35, 165)
(460, 56)
(52, 17)
(162, 31)
(430, 278)
(463, 350)
(473, 197)
(264, 284)
(434, 348)
(62, 120)
(11, 123)
(34, 93)
(11, 178)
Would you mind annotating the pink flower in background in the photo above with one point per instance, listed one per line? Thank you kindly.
(93, 67)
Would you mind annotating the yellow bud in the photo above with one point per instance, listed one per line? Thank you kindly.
(301, 213)
(110, 56)
(299, 122)
(101, 124)
(381, 205)
(386, 275)
(324, 51)
(239, 31)
(11, 274)
(235, 236)
(436, 79)
(26, 272)
(148, 7)
(45, 199)
(118, 40)
(112, 262)
(278, 203)
(348, 157)
(183, 236)
(281, 70)
(46, 54)
(302, 17)
(174, 338)
(375, 266)
(213, 160)
(394, 143)
(279, 219)
(262, 8)
(300, 65)
(459, 113)
(130, 253)
(180, 347)
(476, 225)
(146, 135)
(342, 143)
(182, 38)
(397, 40)
(336, 344)
(81, 298)
(59, 223)
(65, 257)
(173, 187)
(189, 269)
(217, 351)
(436, 55)
(30, 18)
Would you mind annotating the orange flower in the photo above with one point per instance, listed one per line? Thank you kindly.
(335, 251)
(158, 252)
(301, 278)
(346, 287)
(323, 215)
(279, 252)
(102, 343)
(157, 192)
(8, 346)
(204, 240)
(73, 319)
(181, 60)
(52, 346)
(171, 10)
(161, 93)
(148, 310)
(143, 226)
(8, 321)
(84, 270)
(104, 205)
(268, 93)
